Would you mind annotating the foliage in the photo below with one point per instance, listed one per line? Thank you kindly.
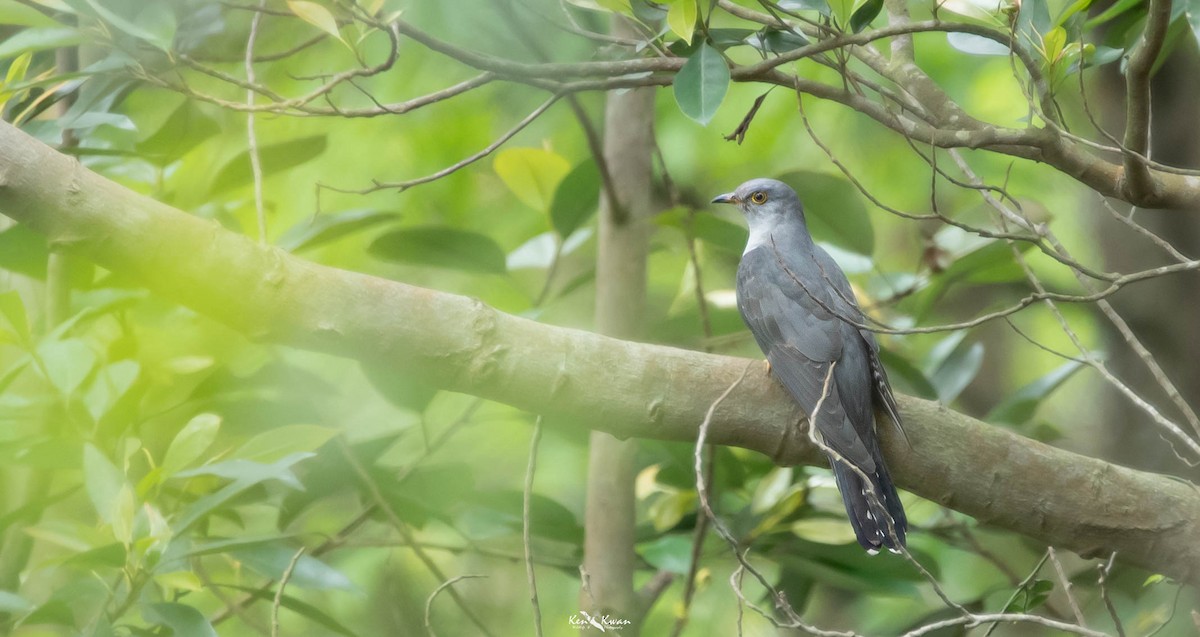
(170, 474)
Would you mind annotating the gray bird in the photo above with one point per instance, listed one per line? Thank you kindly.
(801, 310)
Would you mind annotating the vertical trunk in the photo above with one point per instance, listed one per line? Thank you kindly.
(620, 302)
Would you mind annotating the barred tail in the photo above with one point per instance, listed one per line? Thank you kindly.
(868, 518)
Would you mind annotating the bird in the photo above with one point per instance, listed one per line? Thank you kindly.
(802, 312)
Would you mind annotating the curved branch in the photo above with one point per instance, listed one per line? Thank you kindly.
(579, 379)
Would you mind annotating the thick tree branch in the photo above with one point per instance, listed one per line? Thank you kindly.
(579, 379)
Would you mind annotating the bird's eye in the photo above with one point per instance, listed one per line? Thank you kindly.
(759, 197)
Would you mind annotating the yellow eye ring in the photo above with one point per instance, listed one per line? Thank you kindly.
(759, 197)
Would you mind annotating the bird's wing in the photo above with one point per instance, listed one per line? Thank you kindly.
(847, 306)
(787, 308)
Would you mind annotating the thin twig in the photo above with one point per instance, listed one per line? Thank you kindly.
(526, 525)
(1105, 569)
(251, 136)
(287, 573)
(429, 601)
(1067, 586)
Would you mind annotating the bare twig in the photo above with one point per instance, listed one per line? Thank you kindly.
(526, 526)
(489, 149)
(432, 596)
(287, 573)
(1104, 570)
(251, 137)
(1067, 586)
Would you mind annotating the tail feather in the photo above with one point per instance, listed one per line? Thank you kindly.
(868, 518)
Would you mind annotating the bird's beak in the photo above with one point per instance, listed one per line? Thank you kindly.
(725, 198)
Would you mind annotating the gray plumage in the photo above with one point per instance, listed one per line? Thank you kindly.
(801, 309)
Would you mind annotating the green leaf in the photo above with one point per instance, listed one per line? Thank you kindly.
(777, 41)
(1019, 408)
(11, 603)
(274, 444)
(327, 228)
(824, 530)
(190, 443)
(863, 15)
(28, 40)
(151, 32)
(502, 510)
(681, 17)
(1193, 17)
(12, 310)
(959, 369)
(273, 158)
(975, 44)
(576, 198)
(719, 233)
(667, 509)
(442, 247)
(14, 13)
(701, 84)
(316, 15)
(1030, 597)
(670, 553)
(103, 481)
(272, 560)
(834, 210)
(183, 620)
(532, 174)
(906, 376)
(1053, 44)
(244, 474)
(771, 489)
(308, 611)
(184, 129)
(18, 68)
(67, 363)
(109, 386)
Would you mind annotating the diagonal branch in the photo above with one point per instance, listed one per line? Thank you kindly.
(583, 380)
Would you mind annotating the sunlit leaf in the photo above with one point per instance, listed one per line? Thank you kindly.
(13, 13)
(272, 445)
(576, 198)
(824, 530)
(110, 384)
(103, 481)
(442, 247)
(976, 44)
(67, 363)
(701, 84)
(183, 620)
(681, 17)
(330, 227)
(191, 441)
(12, 311)
(770, 489)
(532, 174)
(1053, 44)
(316, 15)
(668, 509)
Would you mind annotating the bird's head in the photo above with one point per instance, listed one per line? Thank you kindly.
(764, 200)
